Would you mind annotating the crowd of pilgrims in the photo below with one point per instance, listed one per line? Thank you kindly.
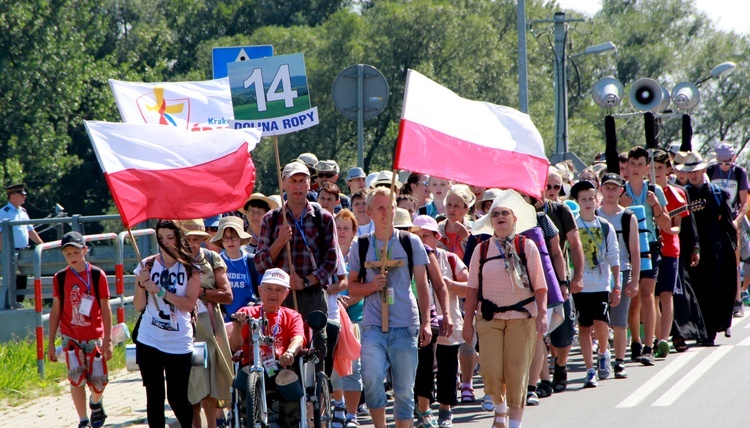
(509, 282)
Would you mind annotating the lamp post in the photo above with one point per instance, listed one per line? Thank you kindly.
(561, 87)
(721, 70)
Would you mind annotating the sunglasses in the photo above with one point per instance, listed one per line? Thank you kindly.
(556, 187)
(503, 213)
(212, 228)
(726, 162)
(165, 223)
(325, 175)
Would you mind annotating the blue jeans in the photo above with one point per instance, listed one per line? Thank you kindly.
(396, 349)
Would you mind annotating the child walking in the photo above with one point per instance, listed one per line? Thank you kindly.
(80, 308)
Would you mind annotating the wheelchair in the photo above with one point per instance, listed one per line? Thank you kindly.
(254, 406)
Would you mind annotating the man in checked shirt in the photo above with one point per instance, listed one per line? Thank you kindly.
(311, 234)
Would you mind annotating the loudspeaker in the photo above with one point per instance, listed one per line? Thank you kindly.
(686, 96)
(607, 92)
(646, 95)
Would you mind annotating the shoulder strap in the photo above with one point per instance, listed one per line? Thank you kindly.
(605, 230)
(403, 237)
(520, 243)
(96, 275)
(483, 248)
(625, 226)
(452, 261)
(363, 242)
(61, 286)
(318, 221)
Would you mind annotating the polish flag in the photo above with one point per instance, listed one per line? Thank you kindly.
(156, 171)
(471, 142)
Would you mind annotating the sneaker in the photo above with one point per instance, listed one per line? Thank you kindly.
(590, 381)
(745, 297)
(427, 420)
(647, 357)
(487, 404)
(98, 416)
(604, 365)
(544, 389)
(532, 399)
(560, 378)
(738, 312)
(662, 349)
(445, 418)
(84, 424)
(362, 410)
(620, 372)
(636, 348)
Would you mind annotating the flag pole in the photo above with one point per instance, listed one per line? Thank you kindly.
(135, 246)
(384, 293)
(283, 216)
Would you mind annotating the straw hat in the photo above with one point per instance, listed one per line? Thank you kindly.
(385, 177)
(690, 161)
(194, 227)
(524, 212)
(259, 197)
(231, 222)
(402, 219)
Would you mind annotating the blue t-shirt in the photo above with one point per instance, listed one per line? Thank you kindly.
(404, 311)
(243, 290)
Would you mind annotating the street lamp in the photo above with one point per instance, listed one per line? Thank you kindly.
(561, 88)
(721, 70)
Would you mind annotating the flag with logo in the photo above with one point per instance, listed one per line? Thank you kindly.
(196, 106)
(472, 142)
(156, 171)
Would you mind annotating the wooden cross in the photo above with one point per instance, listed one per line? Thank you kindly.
(389, 264)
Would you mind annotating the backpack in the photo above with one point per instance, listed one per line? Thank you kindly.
(489, 308)
(96, 274)
(364, 243)
(625, 228)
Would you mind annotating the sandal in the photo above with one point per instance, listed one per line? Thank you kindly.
(427, 420)
(467, 395)
(499, 421)
(679, 343)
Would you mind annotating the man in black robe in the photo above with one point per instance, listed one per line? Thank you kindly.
(714, 278)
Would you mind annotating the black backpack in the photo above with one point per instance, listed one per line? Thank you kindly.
(96, 274)
(364, 243)
(489, 308)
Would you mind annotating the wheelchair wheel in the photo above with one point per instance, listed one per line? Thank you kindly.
(322, 404)
(253, 402)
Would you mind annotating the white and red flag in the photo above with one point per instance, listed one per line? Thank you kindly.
(472, 142)
(195, 106)
(156, 171)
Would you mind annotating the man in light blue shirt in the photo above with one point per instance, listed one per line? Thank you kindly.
(21, 234)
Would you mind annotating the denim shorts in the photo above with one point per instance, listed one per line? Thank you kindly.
(395, 349)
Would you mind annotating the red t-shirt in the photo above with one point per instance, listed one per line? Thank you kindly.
(282, 325)
(73, 323)
(675, 199)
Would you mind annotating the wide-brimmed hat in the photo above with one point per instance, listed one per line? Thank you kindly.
(355, 172)
(327, 166)
(402, 219)
(194, 227)
(308, 159)
(259, 197)
(724, 151)
(524, 212)
(231, 222)
(489, 195)
(384, 178)
(426, 222)
(691, 161)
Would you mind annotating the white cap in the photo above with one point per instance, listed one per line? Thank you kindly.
(276, 276)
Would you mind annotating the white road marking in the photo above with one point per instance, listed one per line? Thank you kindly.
(659, 379)
(688, 380)
(745, 342)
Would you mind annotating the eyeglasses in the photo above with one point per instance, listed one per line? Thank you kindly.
(556, 187)
(255, 212)
(326, 174)
(212, 228)
(230, 238)
(726, 163)
(425, 183)
(504, 213)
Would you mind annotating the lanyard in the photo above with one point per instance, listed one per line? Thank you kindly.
(725, 180)
(642, 197)
(299, 224)
(88, 275)
(388, 252)
(502, 253)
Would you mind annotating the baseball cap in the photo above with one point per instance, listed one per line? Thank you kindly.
(72, 238)
(294, 168)
(724, 152)
(426, 222)
(611, 177)
(276, 276)
(580, 187)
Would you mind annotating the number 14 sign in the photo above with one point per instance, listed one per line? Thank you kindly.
(271, 94)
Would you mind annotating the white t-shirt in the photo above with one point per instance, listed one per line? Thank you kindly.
(333, 305)
(164, 326)
(454, 301)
